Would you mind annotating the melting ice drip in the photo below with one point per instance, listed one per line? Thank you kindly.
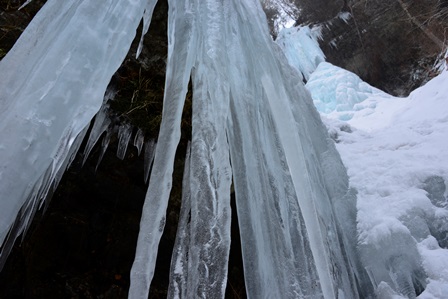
(251, 120)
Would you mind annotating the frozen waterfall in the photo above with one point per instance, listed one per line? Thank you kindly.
(253, 123)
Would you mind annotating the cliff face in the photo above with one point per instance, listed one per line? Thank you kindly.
(392, 45)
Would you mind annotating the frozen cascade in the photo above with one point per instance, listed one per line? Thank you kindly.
(272, 143)
(78, 45)
(251, 119)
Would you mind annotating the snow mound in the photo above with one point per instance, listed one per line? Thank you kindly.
(395, 151)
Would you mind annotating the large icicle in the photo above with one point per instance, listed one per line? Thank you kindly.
(210, 165)
(179, 64)
(52, 83)
(273, 122)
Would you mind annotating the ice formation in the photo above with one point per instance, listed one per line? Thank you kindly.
(52, 83)
(338, 93)
(253, 121)
(301, 48)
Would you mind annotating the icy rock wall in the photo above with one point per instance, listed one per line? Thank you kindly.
(52, 83)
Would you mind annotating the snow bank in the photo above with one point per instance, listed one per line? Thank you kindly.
(395, 151)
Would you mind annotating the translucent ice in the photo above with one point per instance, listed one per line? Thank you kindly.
(62, 65)
(337, 92)
(301, 48)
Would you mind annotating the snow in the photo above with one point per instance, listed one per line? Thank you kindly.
(395, 151)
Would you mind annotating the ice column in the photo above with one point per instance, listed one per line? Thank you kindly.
(210, 172)
(179, 64)
(281, 153)
(52, 83)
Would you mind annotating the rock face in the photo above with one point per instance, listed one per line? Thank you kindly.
(392, 45)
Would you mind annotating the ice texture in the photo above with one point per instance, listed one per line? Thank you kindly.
(277, 139)
(178, 286)
(62, 65)
(338, 93)
(301, 47)
(290, 184)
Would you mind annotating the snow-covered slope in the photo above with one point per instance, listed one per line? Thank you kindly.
(395, 151)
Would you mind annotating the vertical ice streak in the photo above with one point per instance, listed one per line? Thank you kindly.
(179, 260)
(210, 166)
(61, 66)
(275, 247)
(273, 123)
(180, 61)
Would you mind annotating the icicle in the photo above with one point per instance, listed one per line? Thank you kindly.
(124, 135)
(179, 64)
(67, 70)
(104, 145)
(210, 164)
(139, 140)
(179, 260)
(147, 15)
(102, 124)
(150, 146)
(25, 4)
